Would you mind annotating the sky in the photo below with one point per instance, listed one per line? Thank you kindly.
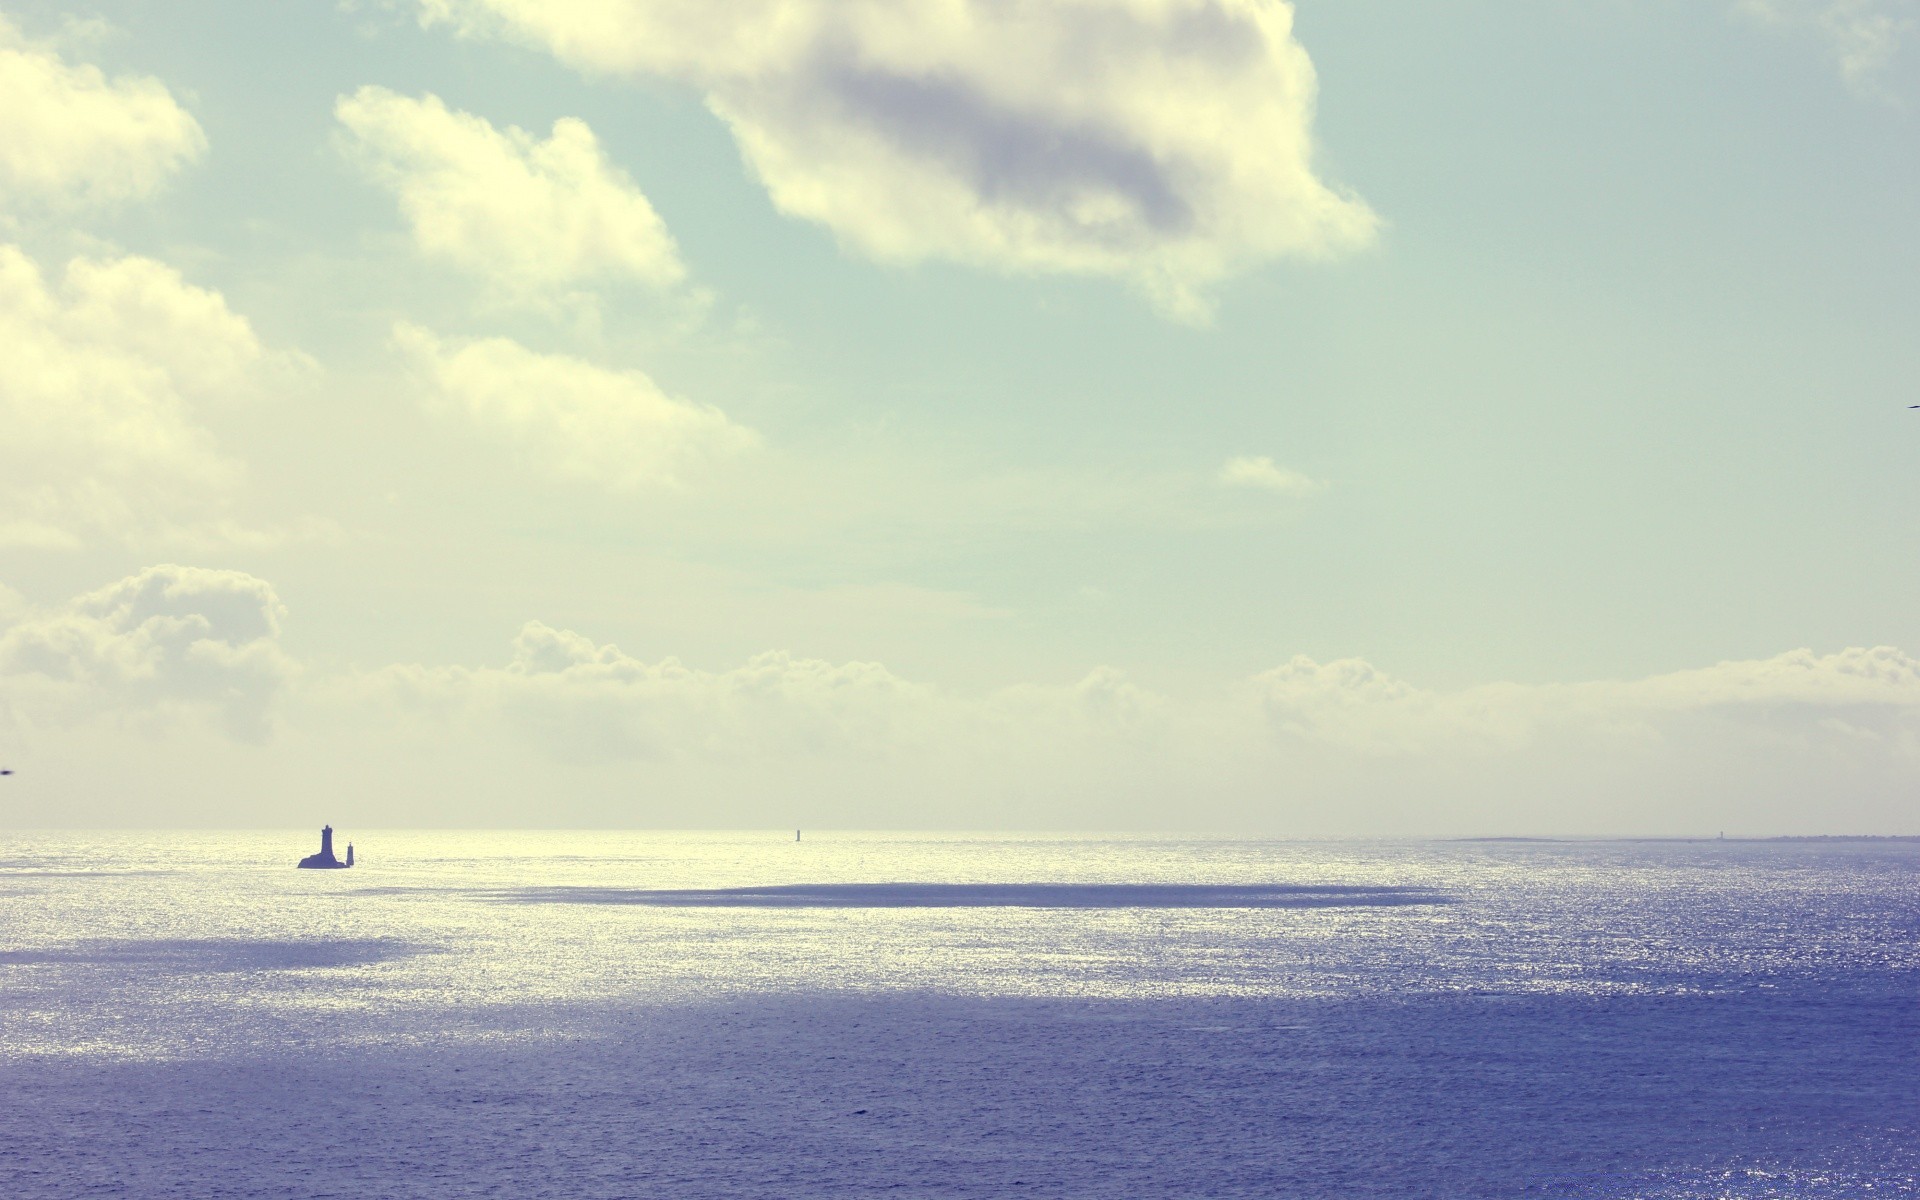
(1167, 415)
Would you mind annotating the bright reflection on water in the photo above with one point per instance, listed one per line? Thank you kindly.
(1022, 1004)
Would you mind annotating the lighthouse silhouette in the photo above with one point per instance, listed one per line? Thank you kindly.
(325, 861)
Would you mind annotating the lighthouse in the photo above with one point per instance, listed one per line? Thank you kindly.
(325, 861)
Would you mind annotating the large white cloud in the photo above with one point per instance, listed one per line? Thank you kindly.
(106, 377)
(68, 134)
(1167, 142)
(533, 218)
(570, 417)
(167, 640)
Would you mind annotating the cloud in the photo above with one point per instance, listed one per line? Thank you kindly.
(168, 641)
(571, 691)
(851, 743)
(1164, 142)
(69, 135)
(570, 729)
(571, 418)
(1864, 36)
(105, 379)
(1880, 677)
(577, 696)
(532, 218)
(1354, 705)
(1791, 741)
(1262, 473)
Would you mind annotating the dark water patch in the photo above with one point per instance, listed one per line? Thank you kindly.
(216, 955)
(986, 895)
(820, 1094)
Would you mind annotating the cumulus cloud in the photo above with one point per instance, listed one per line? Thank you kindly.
(69, 135)
(1864, 36)
(1263, 474)
(572, 418)
(532, 217)
(1165, 142)
(168, 641)
(106, 376)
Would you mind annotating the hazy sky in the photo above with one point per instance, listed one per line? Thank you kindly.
(1165, 414)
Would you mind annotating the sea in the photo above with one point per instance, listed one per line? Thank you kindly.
(639, 1014)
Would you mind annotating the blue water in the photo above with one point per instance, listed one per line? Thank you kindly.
(624, 1014)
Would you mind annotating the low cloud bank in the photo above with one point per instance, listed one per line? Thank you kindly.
(568, 730)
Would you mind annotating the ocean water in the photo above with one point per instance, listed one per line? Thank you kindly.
(737, 1015)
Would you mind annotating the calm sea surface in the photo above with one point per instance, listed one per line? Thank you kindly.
(731, 1015)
